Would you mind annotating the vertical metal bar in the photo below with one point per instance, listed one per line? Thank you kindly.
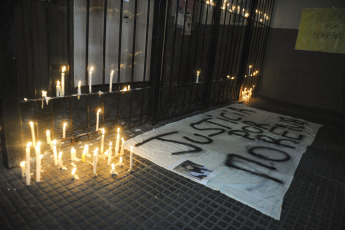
(133, 58)
(181, 50)
(48, 48)
(69, 68)
(145, 60)
(173, 55)
(119, 64)
(87, 42)
(105, 10)
(88, 115)
(159, 31)
(32, 49)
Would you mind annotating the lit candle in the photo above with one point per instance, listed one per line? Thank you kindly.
(250, 67)
(79, 87)
(48, 137)
(63, 81)
(85, 151)
(97, 119)
(28, 163)
(55, 153)
(129, 87)
(22, 166)
(111, 81)
(73, 154)
(110, 153)
(58, 89)
(102, 141)
(33, 133)
(117, 144)
(197, 76)
(44, 96)
(38, 162)
(90, 79)
(60, 160)
(64, 130)
(120, 161)
(122, 146)
(95, 162)
(73, 172)
(113, 171)
(131, 159)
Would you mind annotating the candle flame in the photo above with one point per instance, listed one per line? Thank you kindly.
(250, 66)
(118, 130)
(44, 93)
(103, 131)
(22, 164)
(38, 144)
(48, 133)
(120, 160)
(58, 83)
(79, 83)
(131, 148)
(113, 166)
(112, 72)
(64, 124)
(31, 124)
(29, 145)
(54, 142)
(99, 110)
(246, 15)
(25, 99)
(122, 139)
(198, 72)
(106, 153)
(60, 154)
(73, 171)
(232, 78)
(72, 149)
(91, 69)
(110, 144)
(95, 152)
(63, 69)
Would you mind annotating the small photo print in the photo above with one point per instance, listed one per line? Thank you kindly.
(193, 170)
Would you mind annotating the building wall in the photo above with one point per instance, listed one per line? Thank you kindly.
(309, 78)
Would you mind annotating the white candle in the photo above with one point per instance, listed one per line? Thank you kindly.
(44, 96)
(197, 76)
(48, 137)
(73, 154)
(250, 67)
(110, 153)
(129, 87)
(122, 146)
(73, 172)
(63, 81)
(111, 81)
(131, 159)
(102, 141)
(55, 153)
(117, 146)
(64, 130)
(28, 163)
(113, 171)
(79, 87)
(33, 133)
(38, 162)
(97, 119)
(22, 166)
(90, 79)
(60, 160)
(95, 162)
(85, 151)
(58, 89)
(120, 161)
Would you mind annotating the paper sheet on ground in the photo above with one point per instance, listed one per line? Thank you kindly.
(251, 154)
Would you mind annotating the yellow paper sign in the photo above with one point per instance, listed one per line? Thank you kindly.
(322, 30)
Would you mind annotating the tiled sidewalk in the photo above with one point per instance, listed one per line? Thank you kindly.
(153, 198)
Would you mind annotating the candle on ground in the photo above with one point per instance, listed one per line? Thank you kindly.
(117, 146)
(95, 162)
(28, 163)
(111, 81)
(110, 153)
(79, 87)
(64, 130)
(102, 141)
(63, 81)
(131, 159)
(48, 137)
(122, 147)
(73, 172)
(73, 154)
(97, 118)
(120, 161)
(90, 79)
(33, 133)
(58, 89)
(113, 171)
(60, 160)
(197, 76)
(38, 162)
(22, 166)
(44, 96)
(250, 67)
(55, 153)
(85, 151)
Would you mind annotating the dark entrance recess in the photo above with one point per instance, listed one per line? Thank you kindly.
(154, 46)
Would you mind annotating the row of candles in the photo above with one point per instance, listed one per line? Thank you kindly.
(262, 17)
(119, 151)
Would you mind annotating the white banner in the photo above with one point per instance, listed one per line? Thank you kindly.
(245, 153)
